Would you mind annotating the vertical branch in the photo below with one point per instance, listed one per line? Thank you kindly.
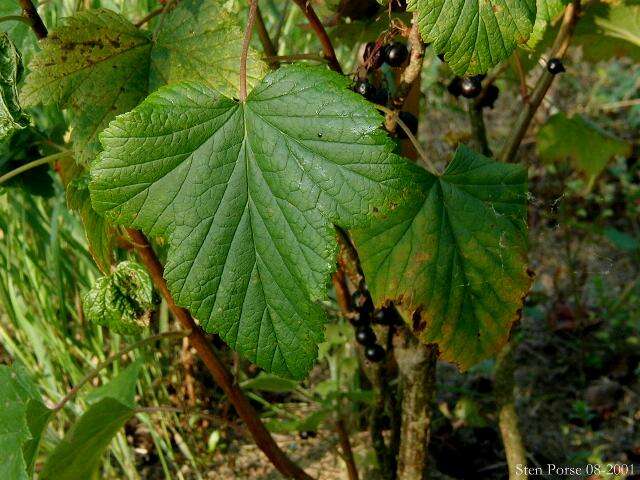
(218, 370)
(507, 416)
(321, 33)
(265, 39)
(414, 68)
(31, 13)
(478, 129)
(347, 452)
(417, 372)
(253, 11)
(529, 109)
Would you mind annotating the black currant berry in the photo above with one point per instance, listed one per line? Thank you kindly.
(373, 58)
(490, 96)
(455, 87)
(364, 88)
(374, 353)
(304, 435)
(410, 120)
(365, 335)
(381, 317)
(395, 54)
(555, 66)
(358, 320)
(398, 5)
(471, 87)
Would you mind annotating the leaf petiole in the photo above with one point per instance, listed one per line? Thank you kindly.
(31, 165)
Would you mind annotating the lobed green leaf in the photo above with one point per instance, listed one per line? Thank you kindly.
(474, 35)
(246, 194)
(99, 64)
(455, 262)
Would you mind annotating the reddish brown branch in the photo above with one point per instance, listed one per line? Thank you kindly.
(347, 452)
(321, 33)
(218, 370)
(31, 13)
(251, 20)
(269, 48)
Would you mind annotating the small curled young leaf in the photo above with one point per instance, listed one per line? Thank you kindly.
(121, 301)
(12, 117)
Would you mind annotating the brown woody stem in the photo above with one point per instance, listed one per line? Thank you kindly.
(321, 33)
(417, 376)
(414, 68)
(31, 13)
(253, 12)
(529, 109)
(347, 452)
(507, 416)
(478, 129)
(218, 370)
(268, 46)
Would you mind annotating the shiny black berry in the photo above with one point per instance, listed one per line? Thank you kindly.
(362, 303)
(365, 89)
(373, 58)
(398, 5)
(358, 320)
(410, 120)
(304, 435)
(374, 353)
(365, 336)
(455, 87)
(471, 87)
(395, 54)
(489, 97)
(555, 66)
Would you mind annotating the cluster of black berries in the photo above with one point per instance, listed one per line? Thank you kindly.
(393, 54)
(365, 315)
(374, 55)
(471, 87)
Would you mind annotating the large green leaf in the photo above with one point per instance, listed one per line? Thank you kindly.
(122, 300)
(455, 262)
(12, 117)
(23, 418)
(100, 65)
(474, 35)
(589, 147)
(610, 30)
(246, 194)
(78, 454)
